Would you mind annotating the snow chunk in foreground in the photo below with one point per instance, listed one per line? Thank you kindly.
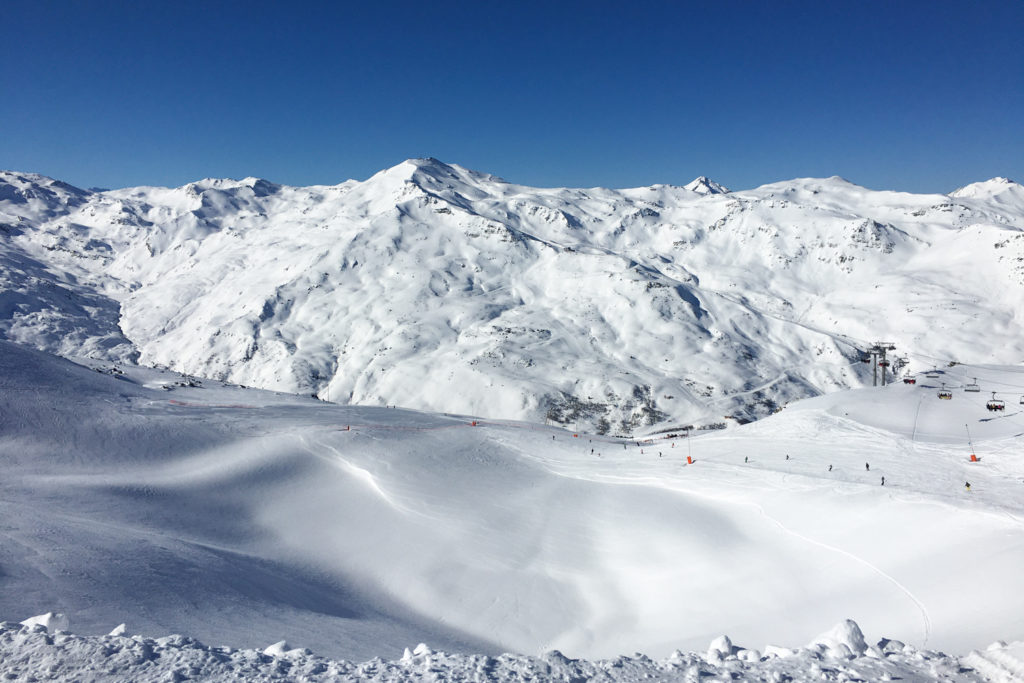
(29, 653)
(52, 621)
(844, 640)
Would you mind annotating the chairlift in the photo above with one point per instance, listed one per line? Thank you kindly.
(883, 363)
(945, 394)
(973, 387)
(865, 358)
(932, 374)
(910, 380)
(995, 403)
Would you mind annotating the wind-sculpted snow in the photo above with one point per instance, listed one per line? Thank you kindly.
(35, 653)
(434, 287)
(240, 516)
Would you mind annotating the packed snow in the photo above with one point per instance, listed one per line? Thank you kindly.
(434, 287)
(244, 517)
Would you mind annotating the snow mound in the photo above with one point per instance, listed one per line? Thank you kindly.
(28, 653)
(843, 640)
(51, 621)
(719, 648)
(999, 663)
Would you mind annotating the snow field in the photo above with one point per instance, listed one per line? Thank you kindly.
(241, 516)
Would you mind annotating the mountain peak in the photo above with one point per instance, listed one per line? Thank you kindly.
(704, 185)
(434, 175)
(22, 188)
(987, 188)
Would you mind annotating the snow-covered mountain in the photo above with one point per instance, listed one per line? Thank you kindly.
(436, 287)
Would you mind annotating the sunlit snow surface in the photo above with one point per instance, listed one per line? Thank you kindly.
(31, 652)
(434, 287)
(243, 517)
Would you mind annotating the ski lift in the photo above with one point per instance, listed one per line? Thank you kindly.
(945, 394)
(865, 358)
(973, 387)
(932, 374)
(910, 380)
(883, 363)
(995, 403)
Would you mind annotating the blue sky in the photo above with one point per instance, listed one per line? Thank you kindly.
(917, 96)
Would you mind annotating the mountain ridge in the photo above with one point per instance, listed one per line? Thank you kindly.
(433, 286)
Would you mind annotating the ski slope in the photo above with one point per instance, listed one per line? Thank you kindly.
(243, 517)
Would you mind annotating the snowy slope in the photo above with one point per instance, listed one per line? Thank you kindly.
(242, 517)
(435, 287)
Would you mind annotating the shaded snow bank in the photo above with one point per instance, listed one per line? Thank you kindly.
(32, 651)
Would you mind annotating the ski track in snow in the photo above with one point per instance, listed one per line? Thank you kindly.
(662, 483)
(925, 619)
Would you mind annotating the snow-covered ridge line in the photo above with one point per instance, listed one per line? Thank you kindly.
(42, 648)
(440, 288)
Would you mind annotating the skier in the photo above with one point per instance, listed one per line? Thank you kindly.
(883, 481)
(968, 485)
(867, 467)
(787, 456)
(746, 459)
(830, 468)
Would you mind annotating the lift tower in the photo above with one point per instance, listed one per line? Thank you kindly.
(878, 351)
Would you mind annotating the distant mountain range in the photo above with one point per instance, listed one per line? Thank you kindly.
(436, 287)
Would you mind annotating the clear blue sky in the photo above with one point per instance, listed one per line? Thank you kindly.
(918, 96)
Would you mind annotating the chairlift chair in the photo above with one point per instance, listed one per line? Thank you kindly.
(973, 387)
(932, 374)
(883, 363)
(995, 403)
(910, 380)
(945, 394)
(1022, 400)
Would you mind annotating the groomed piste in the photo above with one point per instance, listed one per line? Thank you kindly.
(244, 517)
